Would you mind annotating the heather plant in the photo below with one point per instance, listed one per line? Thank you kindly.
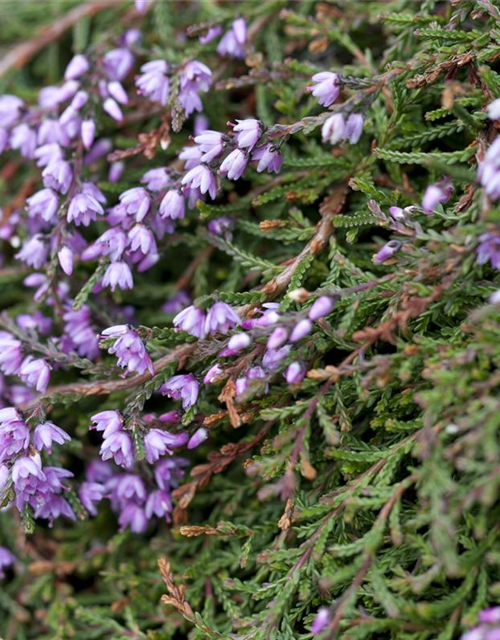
(249, 369)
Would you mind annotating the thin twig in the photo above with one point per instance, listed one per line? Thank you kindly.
(22, 53)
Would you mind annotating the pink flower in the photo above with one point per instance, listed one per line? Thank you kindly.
(191, 320)
(221, 318)
(326, 87)
(118, 274)
(201, 177)
(35, 373)
(46, 433)
(183, 387)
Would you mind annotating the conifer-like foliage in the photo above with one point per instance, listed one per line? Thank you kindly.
(293, 325)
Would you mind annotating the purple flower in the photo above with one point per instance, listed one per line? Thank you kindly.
(24, 139)
(354, 127)
(84, 209)
(4, 476)
(118, 446)
(46, 433)
(191, 320)
(10, 110)
(268, 158)
(233, 41)
(243, 384)
(54, 477)
(326, 87)
(237, 343)
(321, 307)
(158, 442)
(58, 176)
(136, 202)
(212, 374)
(173, 205)
(90, 494)
(397, 214)
(234, 165)
(191, 156)
(141, 6)
(117, 63)
(53, 508)
(36, 321)
(211, 144)
(199, 436)
(156, 179)
(195, 77)
(388, 251)
(88, 133)
(7, 559)
(295, 373)
(142, 239)
(118, 274)
(168, 471)
(51, 131)
(272, 358)
(27, 474)
(183, 387)
(489, 170)
(201, 177)
(491, 615)
(488, 250)
(221, 318)
(113, 110)
(333, 129)
(117, 92)
(79, 331)
(10, 354)
(108, 422)
(43, 204)
(277, 338)
(116, 170)
(436, 194)
(65, 257)
(211, 34)
(301, 330)
(35, 373)
(248, 133)
(131, 353)
(14, 434)
(159, 504)
(200, 124)
(77, 67)
(134, 517)
(99, 149)
(321, 621)
(171, 417)
(153, 82)
(34, 252)
(493, 109)
(112, 243)
(221, 226)
(177, 303)
(130, 487)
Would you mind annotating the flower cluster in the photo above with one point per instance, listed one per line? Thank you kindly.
(233, 41)
(21, 468)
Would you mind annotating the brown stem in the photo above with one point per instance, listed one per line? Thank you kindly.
(22, 53)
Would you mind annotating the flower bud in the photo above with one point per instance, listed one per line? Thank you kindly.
(321, 307)
(301, 330)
